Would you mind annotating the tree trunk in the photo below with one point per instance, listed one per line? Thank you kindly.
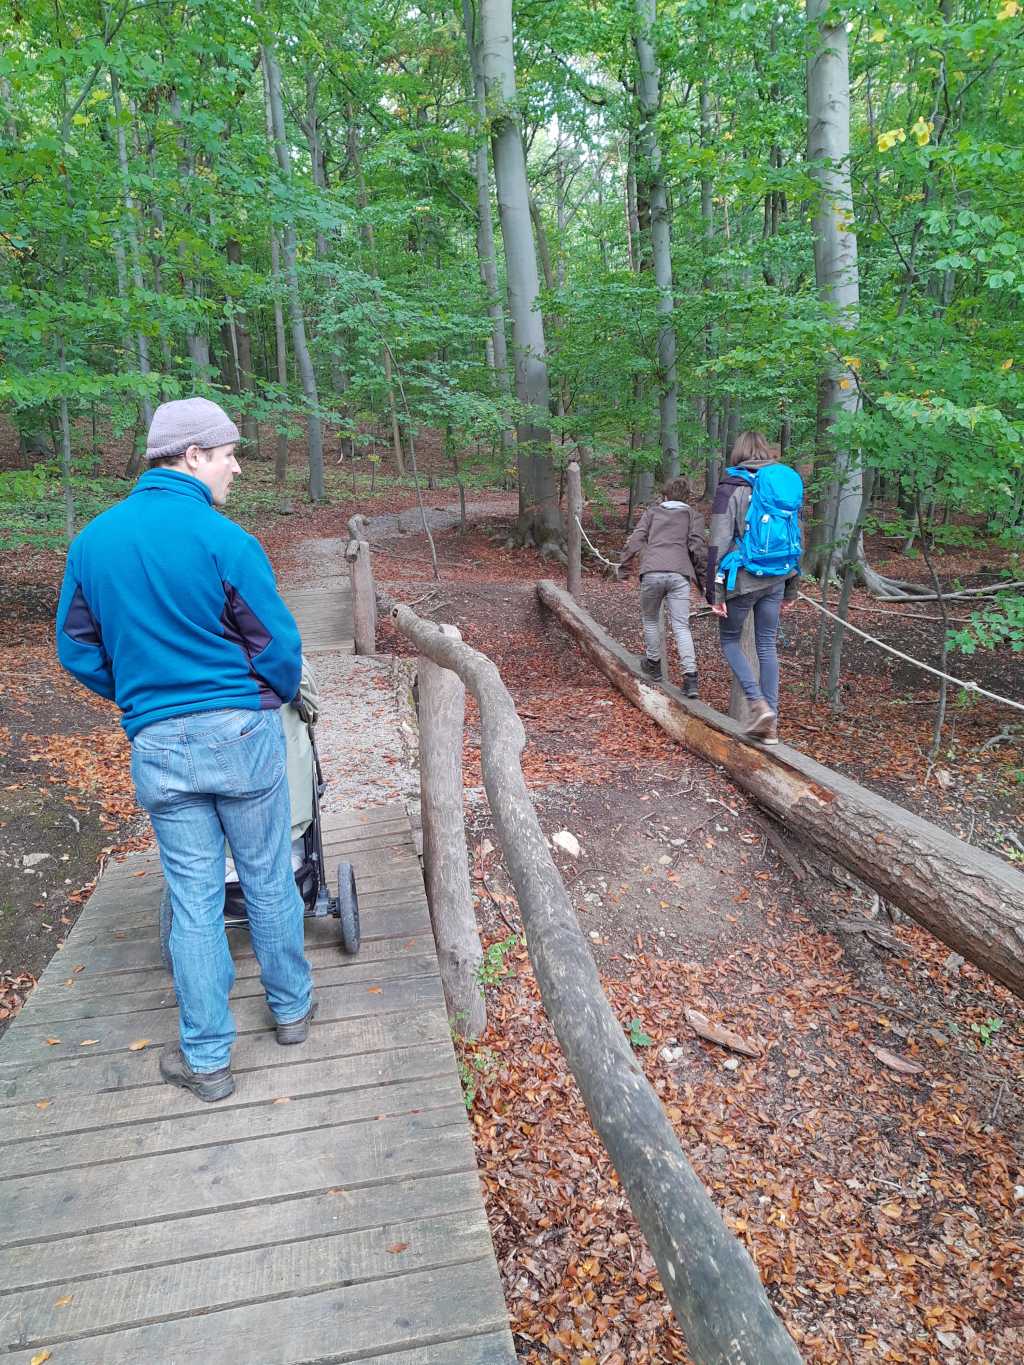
(282, 154)
(243, 356)
(835, 248)
(540, 519)
(197, 342)
(661, 235)
(367, 236)
(485, 249)
(708, 1277)
(441, 709)
(632, 207)
(971, 900)
(135, 256)
(284, 502)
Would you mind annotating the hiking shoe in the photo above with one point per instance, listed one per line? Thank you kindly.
(651, 668)
(762, 721)
(205, 1085)
(298, 1030)
(690, 685)
(772, 737)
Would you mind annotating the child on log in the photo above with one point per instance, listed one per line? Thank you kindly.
(672, 546)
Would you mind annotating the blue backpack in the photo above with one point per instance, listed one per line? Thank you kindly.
(770, 545)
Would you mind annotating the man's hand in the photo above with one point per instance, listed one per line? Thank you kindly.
(719, 608)
(787, 603)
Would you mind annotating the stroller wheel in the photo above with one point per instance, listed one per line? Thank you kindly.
(348, 909)
(165, 930)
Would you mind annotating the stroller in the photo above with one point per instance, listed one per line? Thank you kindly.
(306, 786)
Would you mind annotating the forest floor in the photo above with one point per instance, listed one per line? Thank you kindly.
(871, 1157)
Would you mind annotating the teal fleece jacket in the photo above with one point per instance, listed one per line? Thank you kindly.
(169, 608)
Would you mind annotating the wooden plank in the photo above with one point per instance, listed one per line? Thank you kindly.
(66, 1115)
(266, 1272)
(101, 1005)
(379, 1097)
(127, 955)
(369, 815)
(52, 994)
(88, 1255)
(27, 1044)
(117, 921)
(86, 1074)
(233, 1174)
(494, 1348)
(342, 1324)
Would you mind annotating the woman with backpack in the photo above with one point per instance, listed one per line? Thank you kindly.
(754, 566)
(669, 539)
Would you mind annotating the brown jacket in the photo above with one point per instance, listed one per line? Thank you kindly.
(669, 538)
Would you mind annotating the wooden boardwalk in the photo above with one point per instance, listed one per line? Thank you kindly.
(330, 1210)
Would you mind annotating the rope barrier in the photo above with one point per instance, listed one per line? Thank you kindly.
(593, 547)
(967, 686)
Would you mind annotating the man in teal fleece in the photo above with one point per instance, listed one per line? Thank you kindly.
(171, 610)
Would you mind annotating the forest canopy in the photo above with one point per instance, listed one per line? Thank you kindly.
(292, 206)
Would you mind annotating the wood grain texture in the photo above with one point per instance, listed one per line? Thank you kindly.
(329, 1210)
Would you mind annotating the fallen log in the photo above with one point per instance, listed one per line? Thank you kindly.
(708, 1277)
(971, 900)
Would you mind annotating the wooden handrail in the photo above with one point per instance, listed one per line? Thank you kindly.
(707, 1274)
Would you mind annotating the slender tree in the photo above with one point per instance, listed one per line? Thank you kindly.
(540, 519)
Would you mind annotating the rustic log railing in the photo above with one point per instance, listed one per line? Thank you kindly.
(364, 596)
(707, 1275)
(970, 899)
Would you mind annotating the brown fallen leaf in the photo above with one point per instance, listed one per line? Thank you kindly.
(398, 1246)
(717, 1033)
(64, 1300)
(138, 1045)
(88, 1042)
(895, 1063)
(139, 874)
(70, 981)
(42, 1104)
(79, 968)
(374, 990)
(283, 1099)
(52, 1042)
(39, 1358)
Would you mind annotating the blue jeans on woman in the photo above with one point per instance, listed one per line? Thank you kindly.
(203, 778)
(765, 603)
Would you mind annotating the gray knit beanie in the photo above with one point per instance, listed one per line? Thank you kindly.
(188, 422)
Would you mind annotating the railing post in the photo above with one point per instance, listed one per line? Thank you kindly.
(442, 710)
(364, 597)
(574, 495)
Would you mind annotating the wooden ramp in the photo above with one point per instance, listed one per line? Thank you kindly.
(323, 615)
(330, 1210)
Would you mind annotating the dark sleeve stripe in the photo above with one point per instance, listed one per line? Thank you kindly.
(80, 623)
(241, 624)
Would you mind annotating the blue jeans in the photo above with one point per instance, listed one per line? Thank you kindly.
(200, 778)
(765, 603)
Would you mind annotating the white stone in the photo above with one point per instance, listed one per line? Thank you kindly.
(30, 859)
(567, 842)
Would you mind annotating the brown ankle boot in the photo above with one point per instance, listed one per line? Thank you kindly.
(761, 723)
